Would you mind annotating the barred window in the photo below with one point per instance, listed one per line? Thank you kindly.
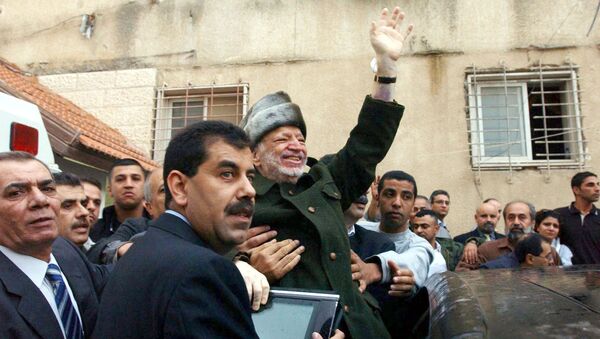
(529, 118)
(177, 108)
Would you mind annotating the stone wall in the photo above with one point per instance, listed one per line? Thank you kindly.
(124, 99)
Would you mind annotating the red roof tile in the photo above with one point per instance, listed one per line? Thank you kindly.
(94, 133)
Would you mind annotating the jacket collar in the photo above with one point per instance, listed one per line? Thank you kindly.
(261, 184)
(178, 227)
(30, 303)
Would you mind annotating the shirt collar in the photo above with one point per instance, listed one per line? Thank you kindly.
(351, 231)
(574, 209)
(438, 247)
(33, 268)
(88, 244)
(178, 215)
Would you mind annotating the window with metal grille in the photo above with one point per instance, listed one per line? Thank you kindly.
(525, 118)
(177, 108)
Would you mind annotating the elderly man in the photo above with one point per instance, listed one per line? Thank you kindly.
(518, 219)
(47, 288)
(309, 207)
(73, 222)
(175, 282)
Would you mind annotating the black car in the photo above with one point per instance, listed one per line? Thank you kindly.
(548, 302)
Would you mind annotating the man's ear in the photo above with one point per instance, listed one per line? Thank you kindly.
(109, 191)
(148, 208)
(177, 183)
(529, 259)
(576, 190)
(255, 157)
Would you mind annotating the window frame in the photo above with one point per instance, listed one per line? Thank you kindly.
(567, 77)
(162, 130)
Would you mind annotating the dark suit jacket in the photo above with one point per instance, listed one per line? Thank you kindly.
(25, 313)
(367, 243)
(171, 285)
(462, 238)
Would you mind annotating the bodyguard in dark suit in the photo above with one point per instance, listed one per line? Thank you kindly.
(174, 281)
(47, 287)
(486, 218)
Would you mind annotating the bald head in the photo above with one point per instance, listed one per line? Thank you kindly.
(486, 217)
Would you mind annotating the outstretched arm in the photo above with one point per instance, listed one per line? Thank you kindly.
(387, 41)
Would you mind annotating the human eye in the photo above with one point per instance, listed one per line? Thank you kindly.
(49, 189)
(250, 177)
(407, 195)
(15, 193)
(227, 174)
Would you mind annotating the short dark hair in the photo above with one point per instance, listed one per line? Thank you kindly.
(529, 205)
(188, 149)
(578, 178)
(125, 162)
(66, 179)
(400, 176)
(529, 244)
(545, 213)
(91, 181)
(430, 213)
(436, 193)
(21, 156)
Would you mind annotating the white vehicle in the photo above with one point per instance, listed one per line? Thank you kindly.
(22, 129)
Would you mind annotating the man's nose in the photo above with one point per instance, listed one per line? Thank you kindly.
(82, 212)
(246, 189)
(39, 199)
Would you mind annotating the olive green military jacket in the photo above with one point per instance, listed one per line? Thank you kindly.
(311, 211)
(451, 251)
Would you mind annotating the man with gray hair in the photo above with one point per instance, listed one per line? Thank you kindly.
(309, 207)
(519, 217)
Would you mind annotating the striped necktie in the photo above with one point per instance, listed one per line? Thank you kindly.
(67, 312)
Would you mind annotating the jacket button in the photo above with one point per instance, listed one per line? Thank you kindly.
(346, 308)
(312, 209)
(332, 256)
(290, 192)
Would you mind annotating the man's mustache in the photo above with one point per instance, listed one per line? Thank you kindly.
(515, 233)
(245, 206)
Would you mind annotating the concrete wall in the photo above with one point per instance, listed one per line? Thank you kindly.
(319, 52)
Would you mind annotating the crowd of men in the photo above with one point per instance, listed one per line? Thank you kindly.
(192, 248)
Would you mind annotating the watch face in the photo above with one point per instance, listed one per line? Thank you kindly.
(374, 65)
